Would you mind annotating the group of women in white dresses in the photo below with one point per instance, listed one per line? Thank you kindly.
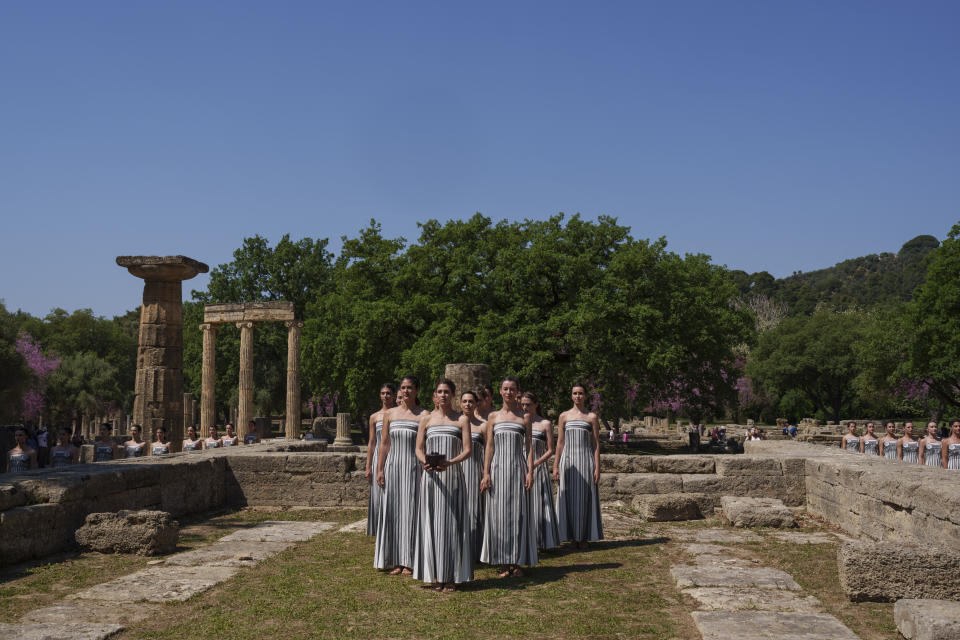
(929, 450)
(449, 489)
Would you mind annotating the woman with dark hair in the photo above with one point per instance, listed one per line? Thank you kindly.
(192, 442)
(252, 436)
(577, 469)
(908, 449)
(160, 446)
(444, 554)
(484, 402)
(869, 443)
(135, 446)
(104, 448)
(213, 440)
(229, 438)
(950, 447)
(544, 514)
(851, 441)
(888, 443)
(388, 393)
(930, 447)
(398, 474)
(64, 454)
(509, 537)
(473, 469)
(22, 457)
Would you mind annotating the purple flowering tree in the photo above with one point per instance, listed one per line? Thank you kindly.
(33, 401)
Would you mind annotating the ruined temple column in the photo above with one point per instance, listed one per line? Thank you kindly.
(159, 380)
(293, 378)
(466, 376)
(245, 402)
(343, 438)
(208, 377)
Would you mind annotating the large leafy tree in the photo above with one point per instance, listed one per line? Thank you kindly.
(14, 374)
(815, 355)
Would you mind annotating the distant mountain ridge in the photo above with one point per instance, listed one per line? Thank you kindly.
(884, 278)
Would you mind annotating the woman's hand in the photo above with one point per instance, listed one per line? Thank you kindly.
(596, 475)
(381, 480)
(556, 475)
(368, 475)
(528, 481)
(485, 484)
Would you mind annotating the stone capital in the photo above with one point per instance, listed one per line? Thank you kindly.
(290, 324)
(209, 326)
(245, 325)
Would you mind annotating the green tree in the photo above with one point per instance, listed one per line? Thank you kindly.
(13, 370)
(83, 384)
(814, 355)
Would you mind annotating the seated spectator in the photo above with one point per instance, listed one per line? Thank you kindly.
(213, 440)
(104, 448)
(229, 439)
(252, 436)
(135, 446)
(22, 457)
(64, 454)
(161, 446)
(793, 431)
(192, 442)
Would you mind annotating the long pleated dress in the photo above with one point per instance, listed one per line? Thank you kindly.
(472, 475)
(399, 515)
(871, 446)
(890, 449)
(931, 453)
(544, 514)
(578, 499)
(852, 444)
(509, 537)
(953, 456)
(444, 553)
(911, 451)
(375, 504)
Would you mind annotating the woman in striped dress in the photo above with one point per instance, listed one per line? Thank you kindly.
(888, 443)
(64, 454)
(398, 474)
(544, 514)
(577, 469)
(509, 537)
(135, 446)
(22, 457)
(473, 470)
(951, 447)
(908, 449)
(444, 555)
(930, 447)
(388, 393)
(851, 441)
(869, 444)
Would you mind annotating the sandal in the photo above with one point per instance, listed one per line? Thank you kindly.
(406, 572)
(517, 572)
(504, 572)
(449, 587)
(395, 571)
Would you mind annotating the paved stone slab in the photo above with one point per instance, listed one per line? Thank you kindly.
(713, 535)
(799, 537)
(91, 611)
(769, 625)
(700, 548)
(920, 619)
(274, 531)
(743, 511)
(360, 526)
(237, 553)
(751, 599)
(158, 584)
(59, 631)
(720, 575)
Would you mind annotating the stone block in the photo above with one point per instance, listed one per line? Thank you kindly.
(620, 485)
(756, 512)
(11, 496)
(683, 464)
(142, 532)
(766, 625)
(59, 630)
(752, 599)
(922, 619)
(748, 466)
(158, 584)
(885, 572)
(732, 576)
(667, 507)
(625, 463)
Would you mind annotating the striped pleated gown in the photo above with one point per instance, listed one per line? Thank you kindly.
(472, 475)
(911, 451)
(890, 449)
(932, 454)
(953, 456)
(444, 553)
(375, 504)
(399, 515)
(544, 514)
(509, 537)
(578, 500)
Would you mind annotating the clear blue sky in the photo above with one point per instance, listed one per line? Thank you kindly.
(770, 135)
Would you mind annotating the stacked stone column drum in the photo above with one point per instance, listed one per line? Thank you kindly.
(159, 379)
(466, 376)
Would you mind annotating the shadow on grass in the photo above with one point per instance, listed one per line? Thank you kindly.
(603, 545)
(537, 576)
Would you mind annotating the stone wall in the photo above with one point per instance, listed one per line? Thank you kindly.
(872, 498)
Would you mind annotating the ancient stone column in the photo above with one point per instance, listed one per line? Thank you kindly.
(466, 376)
(343, 438)
(245, 402)
(159, 379)
(293, 378)
(208, 377)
